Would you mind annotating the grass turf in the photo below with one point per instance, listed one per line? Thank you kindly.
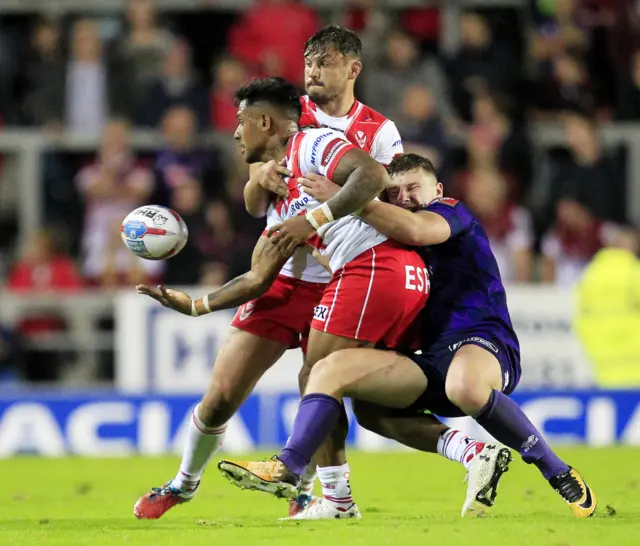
(405, 498)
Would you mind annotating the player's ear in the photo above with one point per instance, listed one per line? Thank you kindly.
(439, 189)
(265, 121)
(356, 68)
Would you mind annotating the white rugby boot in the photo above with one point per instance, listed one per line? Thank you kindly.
(318, 508)
(486, 469)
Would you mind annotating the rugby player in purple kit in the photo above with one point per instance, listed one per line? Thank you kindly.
(470, 356)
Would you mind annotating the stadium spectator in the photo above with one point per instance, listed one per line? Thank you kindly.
(181, 162)
(573, 240)
(186, 268)
(370, 20)
(492, 111)
(481, 65)
(228, 75)
(625, 34)
(270, 36)
(628, 99)
(566, 88)
(402, 68)
(112, 186)
(585, 203)
(559, 30)
(222, 244)
(81, 94)
(420, 125)
(143, 49)
(489, 192)
(43, 62)
(44, 267)
(591, 176)
(178, 85)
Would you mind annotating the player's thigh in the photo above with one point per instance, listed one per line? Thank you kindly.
(474, 371)
(386, 378)
(242, 360)
(322, 344)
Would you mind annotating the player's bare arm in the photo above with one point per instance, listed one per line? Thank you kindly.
(361, 178)
(267, 262)
(419, 228)
(410, 228)
(265, 182)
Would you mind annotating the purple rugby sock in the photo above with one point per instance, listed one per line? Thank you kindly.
(506, 422)
(316, 418)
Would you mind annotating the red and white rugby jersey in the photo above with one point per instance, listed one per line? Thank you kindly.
(362, 126)
(319, 151)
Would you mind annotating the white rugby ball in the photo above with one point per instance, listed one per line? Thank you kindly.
(154, 232)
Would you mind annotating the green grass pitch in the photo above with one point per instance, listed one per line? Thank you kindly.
(407, 499)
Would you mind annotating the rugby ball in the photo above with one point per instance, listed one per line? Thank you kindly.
(154, 232)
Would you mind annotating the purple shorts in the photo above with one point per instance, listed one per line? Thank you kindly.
(435, 363)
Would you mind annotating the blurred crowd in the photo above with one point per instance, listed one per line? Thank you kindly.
(547, 214)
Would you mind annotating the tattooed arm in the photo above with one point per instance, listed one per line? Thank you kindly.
(266, 264)
(362, 178)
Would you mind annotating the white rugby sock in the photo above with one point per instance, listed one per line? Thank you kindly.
(454, 445)
(201, 443)
(335, 486)
(308, 480)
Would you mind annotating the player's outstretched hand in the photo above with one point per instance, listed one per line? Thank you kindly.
(269, 176)
(290, 234)
(319, 186)
(178, 301)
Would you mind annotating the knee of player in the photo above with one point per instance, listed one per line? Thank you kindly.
(218, 405)
(325, 376)
(467, 394)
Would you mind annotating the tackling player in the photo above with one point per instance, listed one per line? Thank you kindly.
(470, 359)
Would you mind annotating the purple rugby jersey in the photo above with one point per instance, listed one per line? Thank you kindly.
(467, 294)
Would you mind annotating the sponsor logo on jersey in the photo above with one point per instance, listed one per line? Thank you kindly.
(314, 147)
(297, 205)
(397, 143)
(361, 138)
(331, 150)
(446, 201)
(475, 340)
(417, 278)
(320, 312)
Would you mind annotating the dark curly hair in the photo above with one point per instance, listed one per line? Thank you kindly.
(275, 91)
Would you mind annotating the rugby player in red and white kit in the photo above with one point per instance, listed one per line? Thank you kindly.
(357, 308)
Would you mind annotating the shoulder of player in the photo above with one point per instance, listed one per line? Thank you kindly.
(449, 202)
(316, 138)
(366, 114)
(379, 129)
